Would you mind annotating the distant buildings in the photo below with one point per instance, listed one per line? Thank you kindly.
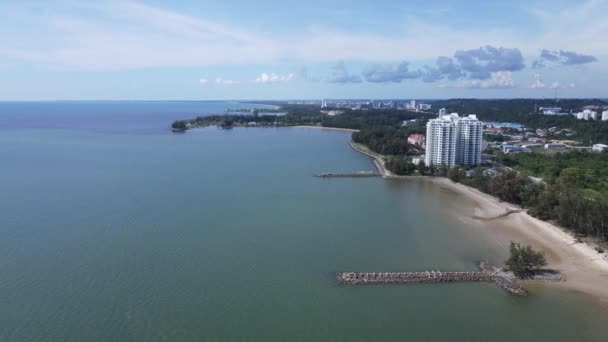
(551, 110)
(332, 112)
(556, 146)
(424, 107)
(454, 140)
(587, 114)
(416, 139)
(420, 107)
(605, 115)
(410, 123)
(600, 147)
(442, 112)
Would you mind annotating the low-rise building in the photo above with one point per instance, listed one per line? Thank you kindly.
(532, 146)
(418, 160)
(555, 146)
(416, 139)
(550, 110)
(512, 148)
(600, 147)
(410, 123)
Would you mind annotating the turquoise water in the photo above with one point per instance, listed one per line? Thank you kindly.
(130, 235)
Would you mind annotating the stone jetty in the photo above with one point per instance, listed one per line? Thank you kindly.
(487, 273)
(350, 174)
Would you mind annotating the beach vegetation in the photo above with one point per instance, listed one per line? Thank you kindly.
(524, 261)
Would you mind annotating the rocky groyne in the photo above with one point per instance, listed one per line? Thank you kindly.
(487, 273)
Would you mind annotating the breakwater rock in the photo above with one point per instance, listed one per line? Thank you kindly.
(487, 273)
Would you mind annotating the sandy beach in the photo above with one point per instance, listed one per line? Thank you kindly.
(585, 269)
(328, 128)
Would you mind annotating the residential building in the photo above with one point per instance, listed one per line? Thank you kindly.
(441, 141)
(442, 112)
(469, 133)
(416, 139)
(587, 114)
(410, 123)
(424, 107)
(555, 146)
(605, 115)
(600, 147)
(454, 140)
(417, 160)
(551, 110)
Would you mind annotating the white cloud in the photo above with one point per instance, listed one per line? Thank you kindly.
(273, 78)
(538, 82)
(559, 85)
(588, 38)
(116, 35)
(497, 80)
(222, 81)
(203, 81)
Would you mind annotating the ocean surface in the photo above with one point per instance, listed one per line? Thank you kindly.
(112, 228)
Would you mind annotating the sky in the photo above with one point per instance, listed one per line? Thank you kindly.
(268, 49)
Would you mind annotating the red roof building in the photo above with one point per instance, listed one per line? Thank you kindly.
(416, 139)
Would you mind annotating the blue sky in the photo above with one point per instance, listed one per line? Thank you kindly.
(153, 50)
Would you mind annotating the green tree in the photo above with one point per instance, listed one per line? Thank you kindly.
(524, 261)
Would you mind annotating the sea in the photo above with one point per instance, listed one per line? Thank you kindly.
(113, 228)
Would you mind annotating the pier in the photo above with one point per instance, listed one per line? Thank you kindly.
(351, 174)
(487, 273)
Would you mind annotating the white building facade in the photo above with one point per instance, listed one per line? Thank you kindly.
(605, 115)
(452, 140)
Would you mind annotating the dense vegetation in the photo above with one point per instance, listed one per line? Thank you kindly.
(574, 194)
(584, 170)
(567, 199)
(523, 111)
(524, 261)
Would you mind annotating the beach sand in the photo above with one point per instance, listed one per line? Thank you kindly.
(328, 128)
(585, 269)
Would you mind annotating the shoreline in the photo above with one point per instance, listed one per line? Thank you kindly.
(326, 128)
(585, 269)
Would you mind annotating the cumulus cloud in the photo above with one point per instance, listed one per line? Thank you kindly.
(445, 67)
(482, 63)
(203, 81)
(538, 82)
(379, 73)
(497, 80)
(273, 78)
(562, 57)
(339, 74)
(478, 64)
(222, 81)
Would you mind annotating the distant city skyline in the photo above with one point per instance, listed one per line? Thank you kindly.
(240, 50)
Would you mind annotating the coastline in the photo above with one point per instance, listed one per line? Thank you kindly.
(585, 269)
(327, 128)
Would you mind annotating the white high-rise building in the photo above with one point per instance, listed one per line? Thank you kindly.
(442, 112)
(441, 141)
(452, 140)
(469, 133)
(605, 115)
(587, 114)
